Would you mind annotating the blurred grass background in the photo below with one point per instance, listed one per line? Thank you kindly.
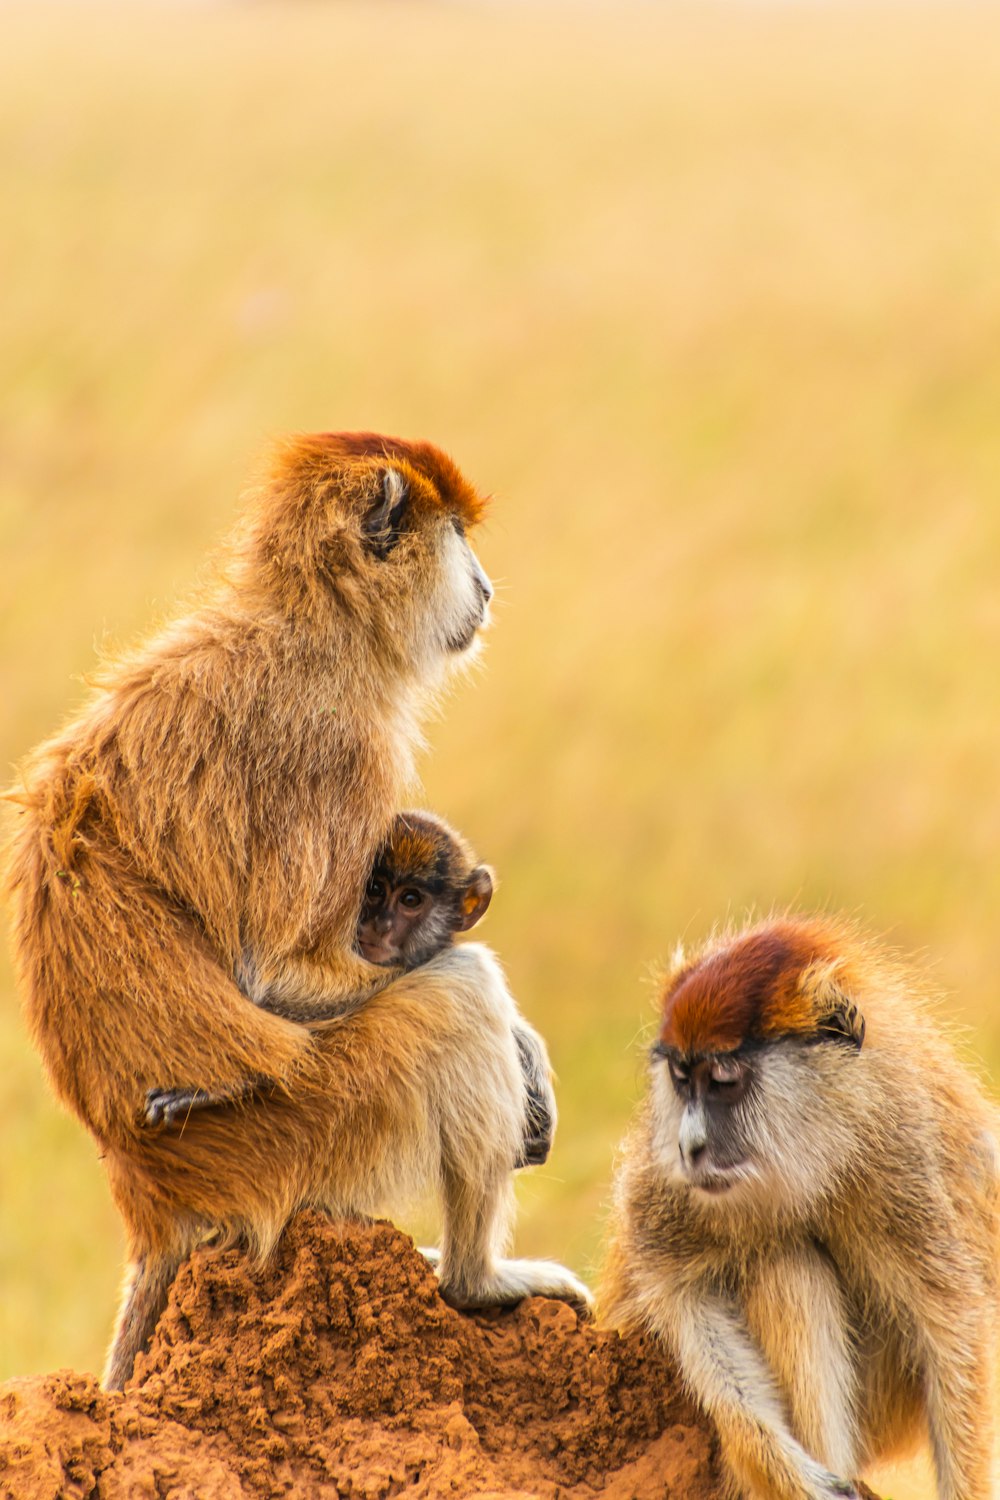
(708, 297)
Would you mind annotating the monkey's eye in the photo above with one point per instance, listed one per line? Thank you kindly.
(411, 898)
(680, 1073)
(375, 894)
(725, 1073)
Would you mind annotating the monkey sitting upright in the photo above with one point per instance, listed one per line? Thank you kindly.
(425, 886)
(808, 1216)
(224, 792)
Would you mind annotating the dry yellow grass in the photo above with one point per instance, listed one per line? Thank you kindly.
(708, 296)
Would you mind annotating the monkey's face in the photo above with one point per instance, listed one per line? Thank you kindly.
(704, 1102)
(407, 918)
(426, 590)
(755, 1069)
(402, 924)
(371, 531)
(764, 1127)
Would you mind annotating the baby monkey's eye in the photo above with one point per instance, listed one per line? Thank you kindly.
(411, 898)
(375, 891)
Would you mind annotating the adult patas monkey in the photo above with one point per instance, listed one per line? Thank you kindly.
(220, 799)
(808, 1216)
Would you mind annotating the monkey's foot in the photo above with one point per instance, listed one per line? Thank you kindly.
(168, 1106)
(513, 1280)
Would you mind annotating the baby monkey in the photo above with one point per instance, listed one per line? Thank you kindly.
(425, 887)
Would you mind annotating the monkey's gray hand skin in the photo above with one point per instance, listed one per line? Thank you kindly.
(540, 1115)
(168, 1106)
(165, 1107)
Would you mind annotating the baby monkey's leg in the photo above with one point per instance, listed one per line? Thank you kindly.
(483, 1122)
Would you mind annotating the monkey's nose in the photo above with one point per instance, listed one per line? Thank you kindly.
(692, 1140)
(691, 1155)
(483, 583)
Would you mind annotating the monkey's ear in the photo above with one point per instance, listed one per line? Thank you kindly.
(844, 1023)
(382, 522)
(476, 898)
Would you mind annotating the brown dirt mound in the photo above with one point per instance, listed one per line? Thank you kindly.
(336, 1370)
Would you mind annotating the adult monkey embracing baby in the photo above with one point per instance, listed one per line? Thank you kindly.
(215, 809)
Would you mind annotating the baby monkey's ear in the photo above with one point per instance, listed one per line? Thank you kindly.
(383, 521)
(476, 898)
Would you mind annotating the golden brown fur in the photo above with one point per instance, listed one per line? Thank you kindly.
(838, 1297)
(218, 802)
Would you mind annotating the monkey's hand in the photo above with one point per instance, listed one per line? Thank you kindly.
(540, 1112)
(166, 1107)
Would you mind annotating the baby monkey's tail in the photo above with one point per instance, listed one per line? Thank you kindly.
(144, 1296)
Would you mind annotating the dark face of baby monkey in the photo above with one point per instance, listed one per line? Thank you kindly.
(425, 886)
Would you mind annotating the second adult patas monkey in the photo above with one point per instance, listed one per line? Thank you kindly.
(807, 1216)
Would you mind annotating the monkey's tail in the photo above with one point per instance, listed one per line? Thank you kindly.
(144, 1296)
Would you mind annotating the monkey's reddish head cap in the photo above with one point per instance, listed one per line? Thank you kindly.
(747, 990)
(452, 489)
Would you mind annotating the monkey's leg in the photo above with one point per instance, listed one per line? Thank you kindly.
(959, 1391)
(730, 1379)
(795, 1311)
(144, 1296)
(482, 1115)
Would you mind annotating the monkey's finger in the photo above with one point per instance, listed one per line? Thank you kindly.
(167, 1106)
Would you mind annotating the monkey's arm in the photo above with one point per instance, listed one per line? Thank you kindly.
(729, 1377)
(540, 1114)
(313, 986)
(956, 1349)
(173, 1106)
(795, 1312)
